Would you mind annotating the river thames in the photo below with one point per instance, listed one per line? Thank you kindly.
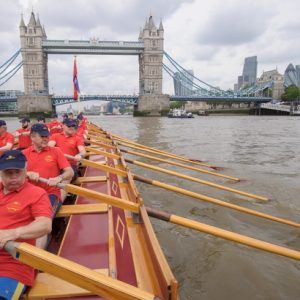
(263, 150)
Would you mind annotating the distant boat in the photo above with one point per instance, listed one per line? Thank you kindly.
(179, 113)
(202, 113)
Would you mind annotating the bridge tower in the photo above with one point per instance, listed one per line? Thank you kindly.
(35, 69)
(151, 99)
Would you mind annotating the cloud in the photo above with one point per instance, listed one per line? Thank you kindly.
(232, 24)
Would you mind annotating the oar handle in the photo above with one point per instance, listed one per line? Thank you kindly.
(46, 181)
(70, 156)
(10, 247)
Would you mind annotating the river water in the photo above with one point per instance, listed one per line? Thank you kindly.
(263, 150)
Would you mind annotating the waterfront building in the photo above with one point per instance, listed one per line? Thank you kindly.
(183, 83)
(9, 105)
(271, 84)
(292, 75)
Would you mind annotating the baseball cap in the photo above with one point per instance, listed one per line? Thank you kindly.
(41, 129)
(25, 120)
(2, 123)
(12, 159)
(70, 122)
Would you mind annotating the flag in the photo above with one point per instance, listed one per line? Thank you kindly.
(75, 81)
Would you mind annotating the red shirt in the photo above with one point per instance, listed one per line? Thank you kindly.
(55, 127)
(4, 139)
(48, 163)
(20, 208)
(81, 130)
(24, 140)
(68, 144)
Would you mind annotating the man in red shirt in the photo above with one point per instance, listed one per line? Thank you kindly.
(69, 142)
(23, 134)
(54, 126)
(82, 126)
(46, 162)
(50, 163)
(25, 214)
(6, 139)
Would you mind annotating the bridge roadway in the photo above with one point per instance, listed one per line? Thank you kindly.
(133, 99)
(93, 46)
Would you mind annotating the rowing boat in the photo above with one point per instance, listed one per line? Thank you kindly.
(117, 243)
(108, 247)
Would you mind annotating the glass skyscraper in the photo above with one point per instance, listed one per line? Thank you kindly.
(292, 75)
(250, 70)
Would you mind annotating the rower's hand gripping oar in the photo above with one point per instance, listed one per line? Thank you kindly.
(228, 235)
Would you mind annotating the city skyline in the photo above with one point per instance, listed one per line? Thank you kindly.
(206, 42)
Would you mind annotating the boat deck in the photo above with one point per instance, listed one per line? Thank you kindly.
(111, 242)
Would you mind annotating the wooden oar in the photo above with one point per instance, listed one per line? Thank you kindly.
(225, 234)
(99, 166)
(130, 144)
(80, 191)
(102, 145)
(228, 235)
(166, 155)
(176, 164)
(72, 272)
(208, 183)
(104, 153)
(155, 149)
(213, 200)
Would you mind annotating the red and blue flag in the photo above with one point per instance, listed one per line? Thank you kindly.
(75, 81)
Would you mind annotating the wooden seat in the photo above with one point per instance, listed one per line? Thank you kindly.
(77, 209)
(48, 286)
(81, 180)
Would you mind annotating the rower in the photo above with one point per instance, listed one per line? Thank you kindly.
(82, 126)
(55, 126)
(23, 134)
(6, 139)
(69, 143)
(25, 214)
(47, 162)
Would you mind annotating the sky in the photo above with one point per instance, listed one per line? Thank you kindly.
(211, 37)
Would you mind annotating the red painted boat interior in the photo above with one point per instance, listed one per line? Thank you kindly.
(86, 237)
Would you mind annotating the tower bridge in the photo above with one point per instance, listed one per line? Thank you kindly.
(35, 48)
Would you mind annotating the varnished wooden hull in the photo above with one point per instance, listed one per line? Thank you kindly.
(115, 242)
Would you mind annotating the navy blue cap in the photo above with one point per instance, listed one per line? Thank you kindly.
(12, 159)
(2, 123)
(70, 122)
(41, 129)
(25, 120)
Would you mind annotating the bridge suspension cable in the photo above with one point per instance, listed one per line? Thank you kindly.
(184, 83)
(209, 88)
(9, 62)
(13, 71)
